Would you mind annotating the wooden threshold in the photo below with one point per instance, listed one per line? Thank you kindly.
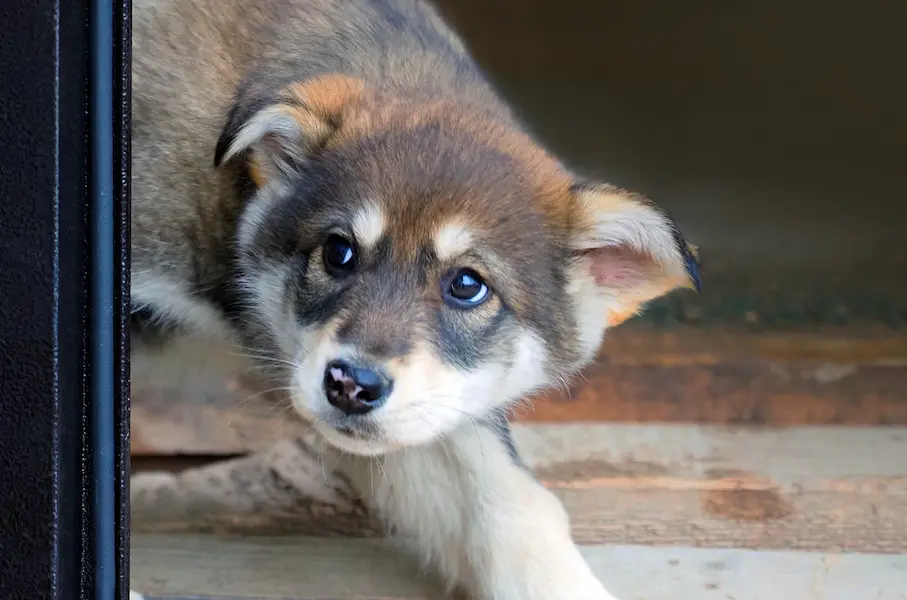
(642, 375)
(822, 489)
(195, 567)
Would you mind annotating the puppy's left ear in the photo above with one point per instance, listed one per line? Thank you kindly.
(629, 249)
(275, 135)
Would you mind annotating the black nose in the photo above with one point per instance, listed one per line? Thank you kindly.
(354, 390)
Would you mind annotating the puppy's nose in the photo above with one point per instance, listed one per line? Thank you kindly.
(354, 390)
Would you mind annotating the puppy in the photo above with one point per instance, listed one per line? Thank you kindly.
(336, 187)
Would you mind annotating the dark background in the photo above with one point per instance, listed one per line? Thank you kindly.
(775, 132)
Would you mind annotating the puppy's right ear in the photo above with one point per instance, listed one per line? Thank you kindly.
(274, 138)
(631, 250)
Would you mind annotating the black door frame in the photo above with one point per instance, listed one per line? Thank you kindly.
(64, 297)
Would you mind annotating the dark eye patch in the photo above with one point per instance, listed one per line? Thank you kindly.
(317, 304)
(465, 340)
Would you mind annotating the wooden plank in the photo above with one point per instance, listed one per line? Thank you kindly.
(723, 377)
(196, 566)
(804, 488)
(239, 567)
(641, 375)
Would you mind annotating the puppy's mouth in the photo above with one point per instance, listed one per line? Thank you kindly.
(355, 428)
(363, 438)
(356, 434)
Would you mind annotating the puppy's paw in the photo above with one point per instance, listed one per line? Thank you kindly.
(583, 587)
(591, 589)
(135, 596)
(574, 582)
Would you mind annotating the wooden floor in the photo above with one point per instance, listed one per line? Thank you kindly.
(202, 566)
(663, 511)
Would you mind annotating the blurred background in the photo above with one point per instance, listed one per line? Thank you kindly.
(775, 132)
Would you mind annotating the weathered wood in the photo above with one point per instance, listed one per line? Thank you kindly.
(287, 488)
(821, 489)
(323, 569)
(642, 375)
(723, 377)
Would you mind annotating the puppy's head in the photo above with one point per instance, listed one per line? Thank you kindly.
(414, 264)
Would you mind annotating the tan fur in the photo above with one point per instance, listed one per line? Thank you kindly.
(328, 95)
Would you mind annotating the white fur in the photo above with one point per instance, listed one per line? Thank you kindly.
(466, 509)
(368, 225)
(452, 240)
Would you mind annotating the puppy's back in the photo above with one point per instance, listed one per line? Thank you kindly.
(192, 59)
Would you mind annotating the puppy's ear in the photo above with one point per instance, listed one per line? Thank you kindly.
(627, 250)
(275, 136)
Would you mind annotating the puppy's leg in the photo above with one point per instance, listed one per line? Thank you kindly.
(465, 505)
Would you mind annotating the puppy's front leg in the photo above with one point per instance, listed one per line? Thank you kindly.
(465, 505)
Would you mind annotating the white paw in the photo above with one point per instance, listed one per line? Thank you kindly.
(135, 596)
(582, 586)
(590, 589)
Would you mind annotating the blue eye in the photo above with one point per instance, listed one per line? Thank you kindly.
(339, 256)
(466, 289)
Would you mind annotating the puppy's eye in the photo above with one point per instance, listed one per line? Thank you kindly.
(339, 256)
(465, 289)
